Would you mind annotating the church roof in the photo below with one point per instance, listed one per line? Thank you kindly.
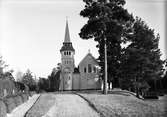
(67, 46)
(88, 55)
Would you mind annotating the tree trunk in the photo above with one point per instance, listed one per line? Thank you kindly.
(136, 88)
(103, 85)
(109, 86)
(118, 81)
(161, 85)
(137, 92)
(155, 85)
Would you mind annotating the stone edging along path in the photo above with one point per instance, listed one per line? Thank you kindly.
(21, 110)
(32, 105)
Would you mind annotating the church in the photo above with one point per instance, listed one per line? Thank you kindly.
(85, 76)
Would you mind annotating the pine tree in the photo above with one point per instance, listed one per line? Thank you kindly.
(108, 20)
(141, 59)
(28, 80)
(54, 80)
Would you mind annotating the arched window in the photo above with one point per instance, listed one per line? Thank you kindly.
(69, 53)
(94, 69)
(89, 68)
(85, 69)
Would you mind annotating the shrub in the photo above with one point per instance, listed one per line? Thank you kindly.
(10, 103)
(18, 100)
(8, 85)
(31, 93)
(150, 95)
(2, 109)
(24, 97)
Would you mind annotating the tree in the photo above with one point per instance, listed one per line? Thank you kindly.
(43, 84)
(54, 80)
(107, 20)
(19, 76)
(28, 80)
(2, 66)
(8, 75)
(164, 79)
(141, 59)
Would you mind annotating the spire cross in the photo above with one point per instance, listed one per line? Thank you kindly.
(89, 51)
(66, 18)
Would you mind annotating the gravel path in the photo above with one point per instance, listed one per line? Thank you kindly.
(70, 105)
(23, 108)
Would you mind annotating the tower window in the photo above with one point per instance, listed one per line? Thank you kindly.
(69, 53)
(64, 53)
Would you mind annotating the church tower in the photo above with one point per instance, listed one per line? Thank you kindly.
(67, 61)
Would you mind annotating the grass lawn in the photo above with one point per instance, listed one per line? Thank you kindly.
(42, 105)
(117, 105)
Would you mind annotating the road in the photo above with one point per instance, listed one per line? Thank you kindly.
(61, 105)
(70, 105)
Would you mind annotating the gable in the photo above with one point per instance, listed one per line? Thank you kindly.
(88, 59)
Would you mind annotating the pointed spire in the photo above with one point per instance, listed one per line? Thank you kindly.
(67, 45)
(67, 34)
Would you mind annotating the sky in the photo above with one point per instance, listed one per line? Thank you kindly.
(32, 31)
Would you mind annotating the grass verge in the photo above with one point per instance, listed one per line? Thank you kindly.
(113, 105)
(42, 106)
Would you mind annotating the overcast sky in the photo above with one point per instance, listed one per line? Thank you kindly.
(32, 31)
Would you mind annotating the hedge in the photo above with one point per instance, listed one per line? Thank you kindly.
(18, 100)
(25, 97)
(2, 109)
(8, 103)
(32, 93)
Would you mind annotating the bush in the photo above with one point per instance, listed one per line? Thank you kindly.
(2, 109)
(18, 100)
(10, 103)
(24, 97)
(31, 93)
(150, 95)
